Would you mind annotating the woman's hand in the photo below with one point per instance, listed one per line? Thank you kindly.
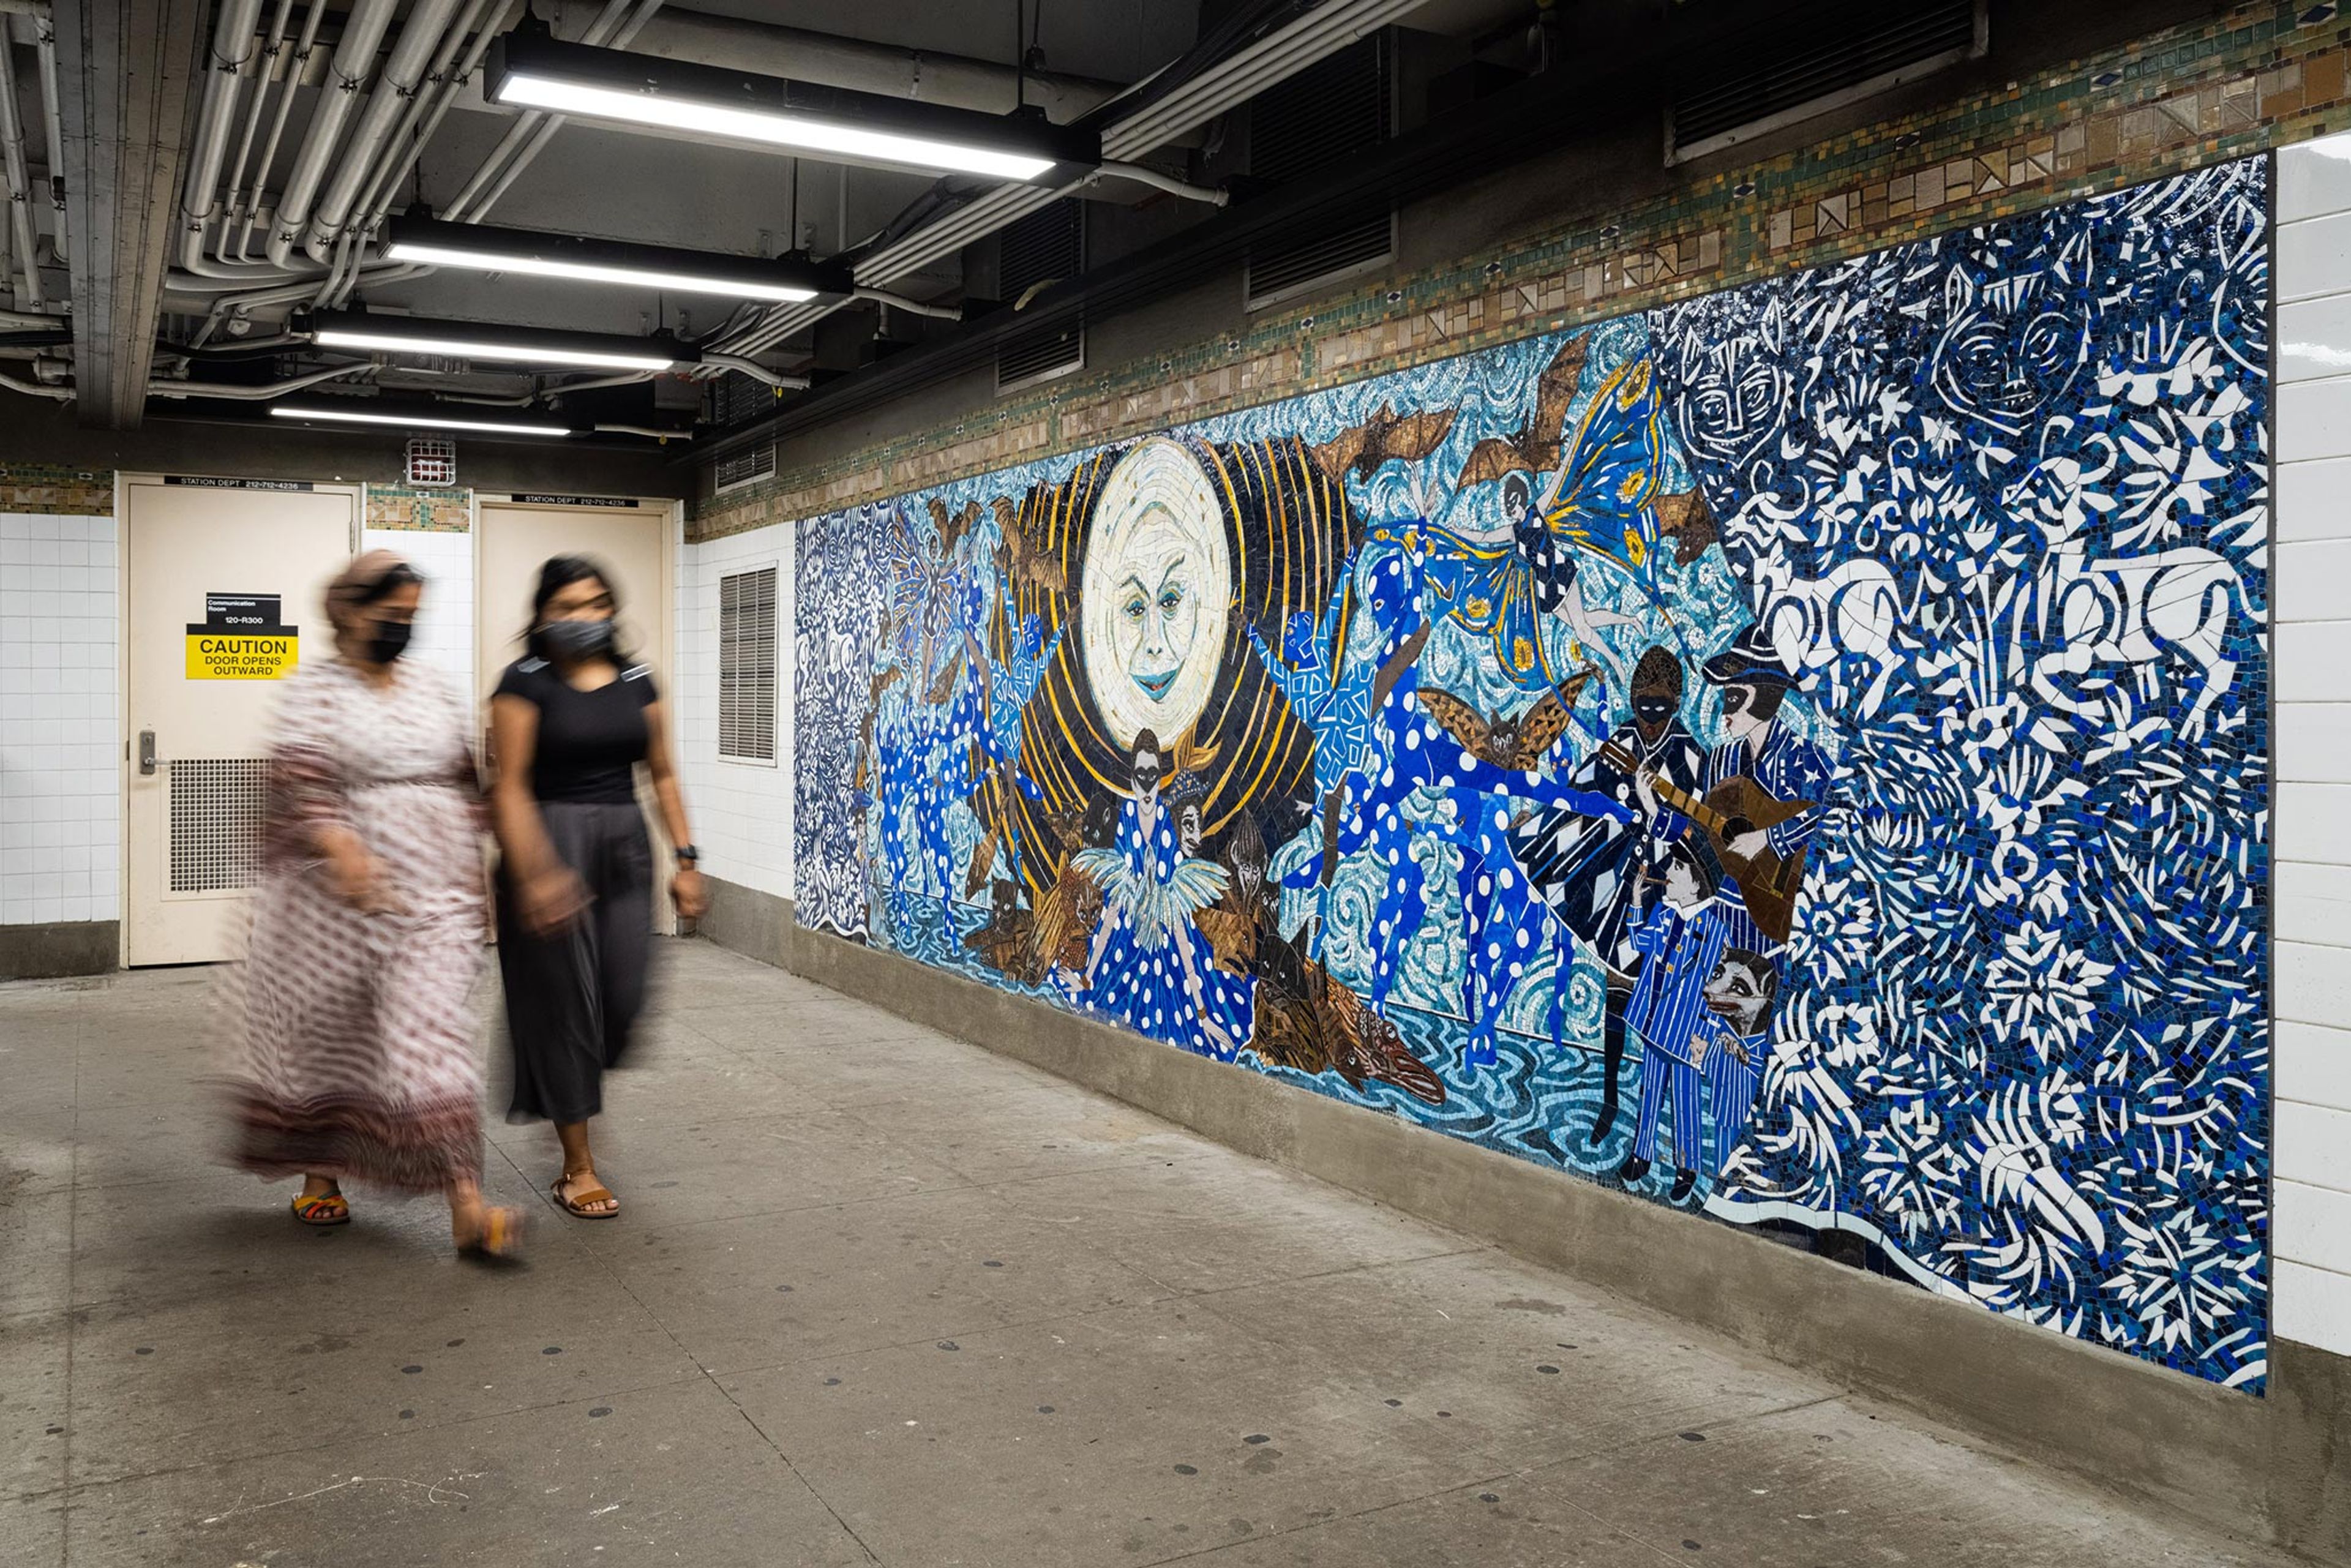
(690, 892)
(360, 880)
(552, 900)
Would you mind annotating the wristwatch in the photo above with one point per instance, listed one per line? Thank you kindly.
(687, 854)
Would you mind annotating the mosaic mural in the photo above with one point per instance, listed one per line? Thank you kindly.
(1800, 754)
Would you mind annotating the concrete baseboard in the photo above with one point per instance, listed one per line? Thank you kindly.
(2275, 1468)
(54, 951)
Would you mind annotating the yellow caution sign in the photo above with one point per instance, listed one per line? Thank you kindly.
(215, 656)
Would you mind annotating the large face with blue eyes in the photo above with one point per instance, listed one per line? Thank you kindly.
(1156, 588)
(1158, 610)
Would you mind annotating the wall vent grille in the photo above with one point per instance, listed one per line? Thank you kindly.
(1338, 105)
(746, 665)
(1048, 245)
(217, 805)
(1843, 56)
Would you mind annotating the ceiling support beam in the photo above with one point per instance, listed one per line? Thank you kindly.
(126, 76)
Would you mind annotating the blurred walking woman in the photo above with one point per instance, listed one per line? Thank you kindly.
(568, 724)
(353, 1043)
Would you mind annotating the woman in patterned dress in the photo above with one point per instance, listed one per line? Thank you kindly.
(353, 1028)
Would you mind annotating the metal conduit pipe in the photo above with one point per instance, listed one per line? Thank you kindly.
(1279, 55)
(347, 73)
(20, 180)
(528, 122)
(621, 39)
(395, 94)
(444, 82)
(18, 320)
(237, 394)
(273, 47)
(31, 389)
(295, 72)
(662, 436)
(757, 372)
(45, 41)
(911, 307)
(232, 49)
(1216, 196)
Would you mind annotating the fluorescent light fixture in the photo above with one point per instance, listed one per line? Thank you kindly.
(411, 421)
(487, 340)
(431, 243)
(529, 69)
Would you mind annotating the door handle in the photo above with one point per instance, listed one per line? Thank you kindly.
(147, 751)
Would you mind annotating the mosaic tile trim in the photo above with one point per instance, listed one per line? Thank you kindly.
(420, 511)
(46, 488)
(2256, 78)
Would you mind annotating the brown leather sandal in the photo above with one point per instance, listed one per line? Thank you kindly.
(573, 1202)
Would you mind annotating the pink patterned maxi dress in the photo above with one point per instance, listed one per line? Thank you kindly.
(353, 1035)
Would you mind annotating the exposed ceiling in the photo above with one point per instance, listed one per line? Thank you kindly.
(195, 178)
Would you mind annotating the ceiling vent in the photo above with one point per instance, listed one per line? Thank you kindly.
(1339, 106)
(1047, 247)
(1841, 55)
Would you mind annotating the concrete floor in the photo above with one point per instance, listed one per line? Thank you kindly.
(877, 1296)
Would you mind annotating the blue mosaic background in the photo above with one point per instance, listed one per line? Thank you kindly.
(1995, 502)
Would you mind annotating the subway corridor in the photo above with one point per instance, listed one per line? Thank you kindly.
(878, 1296)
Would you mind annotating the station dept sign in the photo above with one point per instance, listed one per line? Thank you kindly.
(242, 637)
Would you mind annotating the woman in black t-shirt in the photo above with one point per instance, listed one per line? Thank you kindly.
(568, 724)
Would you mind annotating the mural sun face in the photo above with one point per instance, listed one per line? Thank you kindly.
(1157, 592)
(1158, 617)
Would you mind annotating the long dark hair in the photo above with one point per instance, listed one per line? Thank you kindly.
(559, 573)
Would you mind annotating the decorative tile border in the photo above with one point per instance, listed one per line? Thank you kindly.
(44, 487)
(2255, 77)
(420, 511)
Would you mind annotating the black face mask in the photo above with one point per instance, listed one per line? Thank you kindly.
(1652, 712)
(576, 639)
(389, 642)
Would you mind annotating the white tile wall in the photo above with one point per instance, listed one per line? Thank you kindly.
(60, 728)
(445, 624)
(742, 812)
(2311, 652)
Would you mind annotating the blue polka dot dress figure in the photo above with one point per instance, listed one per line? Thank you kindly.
(1149, 968)
(570, 723)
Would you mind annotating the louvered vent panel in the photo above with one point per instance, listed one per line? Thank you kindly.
(1045, 246)
(1776, 78)
(215, 808)
(745, 466)
(1338, 105)
(746, 665)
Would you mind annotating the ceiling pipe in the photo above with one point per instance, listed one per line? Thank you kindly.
(757, 372)
(1143, 174)
(347, 73)
(522, 141)
(829, 61)
(45, 42)
(20, 180)
(234, 393)
(30, 388)
(912, 307)
(232, 49)
(272, 49)
(296, 70)
(664, 436)
(394, 95)
(1280, 54)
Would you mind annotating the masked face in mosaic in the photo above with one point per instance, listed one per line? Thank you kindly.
(1157, 586)
(1740, 989)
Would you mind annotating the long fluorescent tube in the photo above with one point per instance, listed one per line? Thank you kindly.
(484, 340)
(530, 70)
(412, 420)
(432, 243)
